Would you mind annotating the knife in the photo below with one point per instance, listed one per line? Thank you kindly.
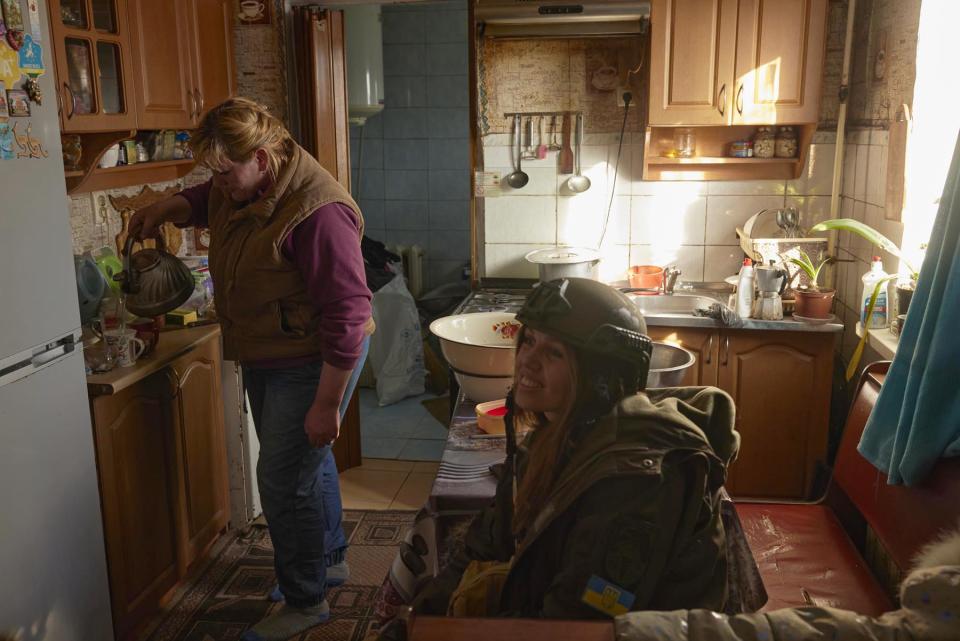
(566, 153)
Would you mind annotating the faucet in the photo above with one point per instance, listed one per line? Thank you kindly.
(670, 276)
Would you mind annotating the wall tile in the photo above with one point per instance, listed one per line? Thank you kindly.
(877, 175)
(542, 181)
(449, 153)
(370, 153)
(817, 177)
(373, 212)
(447, 59)
(404, 123)
(404, 60)
(689, 259)
(860, 180)
(849, 170)
(405, 91)
(520, 219)
(720, 262)
(813, 209)
(406, 184)
(506, 261)
(372, 128)
(406, 237)
(746, 187)
(371, 182)
(614, 262)
(499, 156)
(401, 27)
(675, 188)
(597, 163)
(726, 213)
(440, 272)
(406, 214)
(580, 224)
(666, 221)
(449, 244)
(448, 26)
(448, 91)
(449, 214)
(406, 154)
(448, 123)
(451, 184)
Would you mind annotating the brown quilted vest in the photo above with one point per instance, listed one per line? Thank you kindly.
(261, 300)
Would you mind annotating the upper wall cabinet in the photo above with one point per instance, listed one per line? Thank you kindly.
(736, 62)
(93, 64)
(184, 60)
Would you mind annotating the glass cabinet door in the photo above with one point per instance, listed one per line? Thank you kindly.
(104, 16)
(73, 14)
(111, 83)
(80, 96)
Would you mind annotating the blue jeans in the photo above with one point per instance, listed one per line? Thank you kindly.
(299, 486)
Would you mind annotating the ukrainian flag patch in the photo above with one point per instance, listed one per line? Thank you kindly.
(610, 599)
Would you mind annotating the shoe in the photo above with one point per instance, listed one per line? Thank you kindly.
(337, 575)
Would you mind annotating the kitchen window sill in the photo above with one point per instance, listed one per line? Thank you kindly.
(883, 341)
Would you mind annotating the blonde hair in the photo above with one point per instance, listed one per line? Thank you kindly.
(235, 129)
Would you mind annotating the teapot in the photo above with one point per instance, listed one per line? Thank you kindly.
(154, 280)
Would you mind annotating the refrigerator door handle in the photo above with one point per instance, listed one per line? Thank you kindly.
(29, 361)
(47, 357)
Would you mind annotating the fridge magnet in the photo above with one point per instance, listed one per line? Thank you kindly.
(18, 103)
(14, 39)
(9, 65)
(33, 10)
(6, 142)
(254, 12)
(31, 57)
(34, 92)
(29, 147)
(3, 25)
(12, 15)
(4, 111)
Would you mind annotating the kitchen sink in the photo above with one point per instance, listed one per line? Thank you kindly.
(676, 304)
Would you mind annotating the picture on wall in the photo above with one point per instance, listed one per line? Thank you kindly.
(254, 12)
(18, 102)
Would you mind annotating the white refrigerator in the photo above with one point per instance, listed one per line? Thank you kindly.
(52, 562)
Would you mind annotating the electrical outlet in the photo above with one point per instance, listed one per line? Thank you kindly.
(622, 90)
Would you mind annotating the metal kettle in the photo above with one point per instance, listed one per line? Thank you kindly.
(154, 280)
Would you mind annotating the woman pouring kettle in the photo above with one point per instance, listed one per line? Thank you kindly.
(294, 308)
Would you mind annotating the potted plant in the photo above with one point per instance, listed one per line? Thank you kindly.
(905, 288)
(811, 301)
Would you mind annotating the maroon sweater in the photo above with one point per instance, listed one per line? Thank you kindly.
(324, 248)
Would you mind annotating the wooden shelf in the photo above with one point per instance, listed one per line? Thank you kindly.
(141, 166)
(715, 160)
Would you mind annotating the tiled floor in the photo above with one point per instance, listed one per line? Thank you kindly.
(404, 430)
(386, 484)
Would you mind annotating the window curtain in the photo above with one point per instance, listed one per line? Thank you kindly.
(916, 420)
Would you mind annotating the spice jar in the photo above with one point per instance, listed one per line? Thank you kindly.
(786, 146)
(764, 143)
(741, 149)
(685, 142)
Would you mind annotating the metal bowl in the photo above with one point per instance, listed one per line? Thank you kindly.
(668, 365)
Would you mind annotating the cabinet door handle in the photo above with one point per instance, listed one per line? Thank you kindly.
(721, 106)
(70, 94)
(709, 358)
(174, 381)
(200, 102)
(193, 104)
(726, 350)
(740, 100)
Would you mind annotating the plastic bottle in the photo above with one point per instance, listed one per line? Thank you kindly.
(745, 289)
(880, 319)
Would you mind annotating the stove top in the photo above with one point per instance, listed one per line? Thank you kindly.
(493, 300)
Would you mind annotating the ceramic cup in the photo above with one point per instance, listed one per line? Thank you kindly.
(251, 8)
(148, 331)
(127, 348)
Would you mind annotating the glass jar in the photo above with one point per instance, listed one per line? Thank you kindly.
(764, 143)
(685, 142)
(741, 149)
(786, 146)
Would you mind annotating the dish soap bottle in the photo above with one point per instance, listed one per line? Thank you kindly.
(876, 274)
(745, 289)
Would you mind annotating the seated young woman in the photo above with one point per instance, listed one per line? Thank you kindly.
(612, 501)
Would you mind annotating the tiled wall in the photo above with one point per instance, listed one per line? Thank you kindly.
(688, 224)
(412, 161)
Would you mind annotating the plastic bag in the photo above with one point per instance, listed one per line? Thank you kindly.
(396, 349)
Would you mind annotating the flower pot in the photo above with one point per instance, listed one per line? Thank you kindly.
(904, 296)
(810, 303)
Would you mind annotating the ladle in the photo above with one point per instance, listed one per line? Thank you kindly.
(578, 183)
(517, 178)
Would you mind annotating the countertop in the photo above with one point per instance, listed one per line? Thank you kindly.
(172, 344)
(788, 324)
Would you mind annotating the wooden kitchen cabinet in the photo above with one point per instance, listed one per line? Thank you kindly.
(91, 51)
(780, 382)
(736, 62)
(211, 42)
(779, 61)
(162, 465)
(693, 44)
(197, 413)
(138, 490)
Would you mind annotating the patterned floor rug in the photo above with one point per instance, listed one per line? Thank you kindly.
(230, 595)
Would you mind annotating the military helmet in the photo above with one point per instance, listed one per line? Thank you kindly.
(592, 317)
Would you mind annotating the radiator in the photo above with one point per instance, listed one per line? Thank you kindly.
(412, 257)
